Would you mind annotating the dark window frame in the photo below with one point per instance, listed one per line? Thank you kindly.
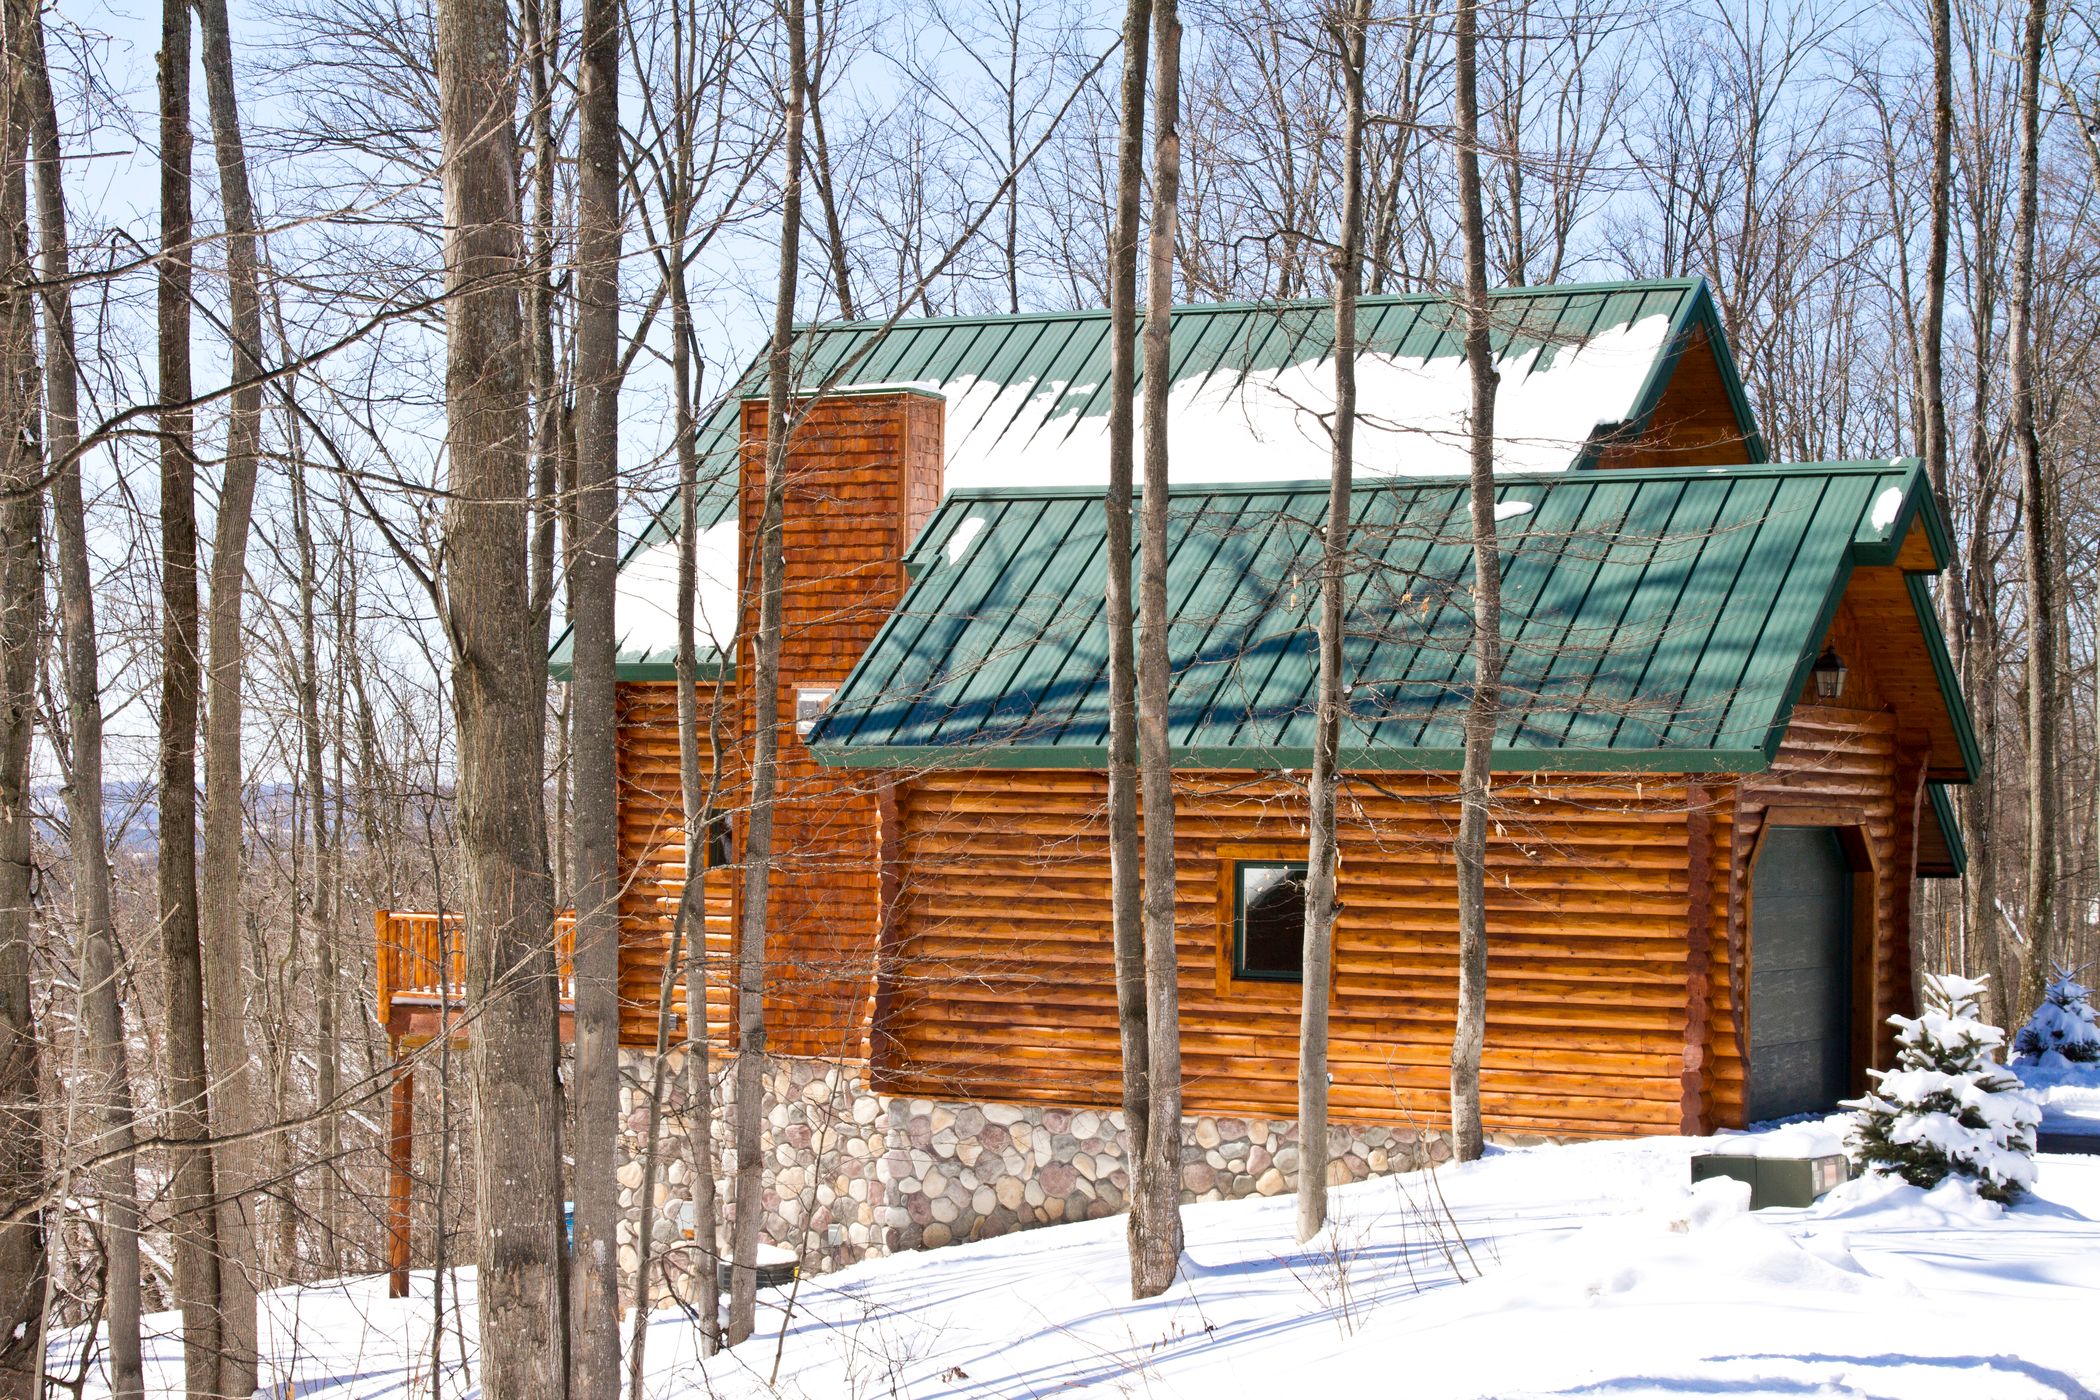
(718, 849)
(1240, 971)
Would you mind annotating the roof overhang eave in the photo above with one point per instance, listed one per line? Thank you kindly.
(1264, 759)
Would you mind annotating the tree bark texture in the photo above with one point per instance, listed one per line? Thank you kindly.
(24, 1168)
(190, 1193)
(101, 1013)
(697, 803)
(1348, 28)
(1932, 358)
(499, 697)
(2037, 510)
(693, 807)
(236, 1090)
(325, 904)
(1474, 791)
(1125, 873)
(548, 439)
(765, 738)
(1158, 1177)
(594, 1282)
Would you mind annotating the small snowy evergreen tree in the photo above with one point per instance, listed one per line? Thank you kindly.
(2064, 1024)
(1948, 1108)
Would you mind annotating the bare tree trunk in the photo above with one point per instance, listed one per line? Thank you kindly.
(190, 1193)
(2037, 510)
(593, 560)
(1979, 651)
(548, 440)
(1010, 110)
(101, 1013)
(1348, 28)
(689, 924)
(1125, 875)
(696, 803)
(765, 737)
(24, 1266)
(1473, 790)
(698, 811)
(1932, 352)
(645, 1193)
(499, 701)
(821, 177)
(236, 1090)
(1158, 1177)
(327, 1050)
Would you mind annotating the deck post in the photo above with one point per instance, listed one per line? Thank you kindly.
(400, 1148)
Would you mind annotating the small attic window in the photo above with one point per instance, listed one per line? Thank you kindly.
(965, 535)
(810, 704)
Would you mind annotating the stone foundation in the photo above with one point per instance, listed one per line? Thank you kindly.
(852, 1173)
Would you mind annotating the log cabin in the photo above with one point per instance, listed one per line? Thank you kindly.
(1724, 740)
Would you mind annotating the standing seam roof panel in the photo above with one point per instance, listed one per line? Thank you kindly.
(908, 661)
(1725, 554)
(1744, 562)
(1634, 554)
(1070, 564)
(992, 670)
(1391, 646)
(1769, 561)
(1702, 505)
(1281, 678)
(1804, 605)
(1208, 670)
(1554, 602)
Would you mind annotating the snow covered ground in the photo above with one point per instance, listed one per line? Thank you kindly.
(1587, 1270)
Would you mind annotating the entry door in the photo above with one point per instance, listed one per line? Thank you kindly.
(1800, 974)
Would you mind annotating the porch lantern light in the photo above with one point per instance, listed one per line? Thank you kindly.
(1830, 674)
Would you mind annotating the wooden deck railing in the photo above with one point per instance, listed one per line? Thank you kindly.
(413, 947)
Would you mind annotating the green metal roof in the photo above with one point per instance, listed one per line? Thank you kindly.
(1660, 620)
(1031, 389)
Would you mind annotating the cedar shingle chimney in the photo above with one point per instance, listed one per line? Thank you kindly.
(863, 475)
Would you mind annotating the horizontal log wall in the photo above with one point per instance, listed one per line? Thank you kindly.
(997, 978)
(652, 862)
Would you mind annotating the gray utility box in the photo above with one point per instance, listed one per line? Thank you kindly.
(1775, 1181)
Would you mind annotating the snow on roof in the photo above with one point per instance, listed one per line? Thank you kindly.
(645, 605)
(1275, 424)
(1252, 399)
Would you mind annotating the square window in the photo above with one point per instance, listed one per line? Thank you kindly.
(1268, 920)
(810, 704)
